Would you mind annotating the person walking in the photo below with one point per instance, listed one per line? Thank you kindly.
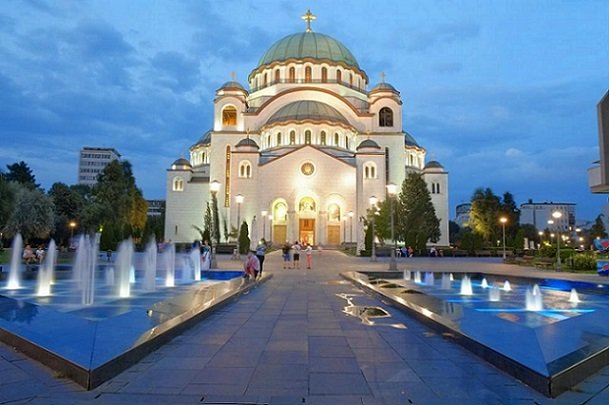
(260, 252)
(297, 248)
(309, 256)
(285, 254)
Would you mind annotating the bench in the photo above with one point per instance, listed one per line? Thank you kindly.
(524, 260)
(483, 253)
(544, 262)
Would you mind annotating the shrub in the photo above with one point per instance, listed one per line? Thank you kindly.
(584, 261)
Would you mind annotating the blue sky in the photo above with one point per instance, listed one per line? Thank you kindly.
(502, 93)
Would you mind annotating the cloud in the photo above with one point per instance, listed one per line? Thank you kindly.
(442, 35)
(176, 71)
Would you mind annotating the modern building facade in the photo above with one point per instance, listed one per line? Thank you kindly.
(301, 151)
(598, 175)
(92, 161)
(538, 214)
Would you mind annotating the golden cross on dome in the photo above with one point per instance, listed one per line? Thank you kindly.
(233, 75)
(308, 17)
(382, 77)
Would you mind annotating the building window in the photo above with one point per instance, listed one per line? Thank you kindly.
(292, 75)
(435, 188)
(278, 138)
(308, 74)
(280, 213)
(245, 169)
(229, 115)
(292, 137)
(346, 142)
(339, 76)
(264, 80)
(178, 184)
(307, 137)
(322, 139)
(385, 117)
(336, 139)
(307, 169)
(350, 76)
(306, 205)
(277, 76)
(369, 170)
(324, 75)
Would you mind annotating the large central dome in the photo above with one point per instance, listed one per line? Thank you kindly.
(308, 45)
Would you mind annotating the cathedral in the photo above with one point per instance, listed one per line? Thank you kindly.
(301, 154)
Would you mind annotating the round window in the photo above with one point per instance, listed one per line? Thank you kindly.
(307, 169)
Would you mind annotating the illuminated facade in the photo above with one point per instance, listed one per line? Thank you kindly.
(308, 143)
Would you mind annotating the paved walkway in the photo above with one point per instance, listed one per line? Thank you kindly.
(288, 342)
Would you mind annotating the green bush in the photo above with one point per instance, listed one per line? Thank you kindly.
(584, 261)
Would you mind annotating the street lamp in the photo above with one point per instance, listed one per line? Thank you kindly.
(373, 200)
(72, 225)
(239, 199)
(345, 231)
(214, 186)
(557, 215)
(271, 228)
(540, 233)
(264, 213)
(503, 220)
(391, 191)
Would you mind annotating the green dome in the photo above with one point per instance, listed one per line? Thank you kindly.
(308, 45)
(307, 110)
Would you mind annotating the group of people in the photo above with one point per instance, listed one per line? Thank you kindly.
(254, 261)
(293, 260)
(405, 251)
(31, 256)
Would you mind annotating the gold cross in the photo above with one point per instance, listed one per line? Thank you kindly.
(233, 75)
(382, 77)
(308, 17)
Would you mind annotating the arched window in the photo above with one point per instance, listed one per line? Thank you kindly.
(346, 142)
(277, 76)
(324, 75)
(339, 76)
(385, 117)
(308, 137)
(308, 74)
(333, 213)
(411, 160)
(292, 75)
(322, 139)
(336, 139)
(278, 138)
(264, 80)
(350, 79)
(369, 170)
(245, 169)
(307, 204)
(229, 115)
(280, 213)
(292, 137)
(268, 141)
(178, 184)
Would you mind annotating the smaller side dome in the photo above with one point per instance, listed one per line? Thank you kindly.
(383, 86)
(368, 143)
(232, 85)
(433, 164)
(247, 142)
(409, 140)
(181, 164)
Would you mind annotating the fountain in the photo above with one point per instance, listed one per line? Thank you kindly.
(484, 283)
(445, 281)
(407, 275)
(429, 278)
(573, 297)
(150, 266)
(507, 286)
(124, 262)
(169, 260)
(494, 294)
(90, 250)
(533, 299)
(452, 278)
(46, 271)
(186, 269)
(195, 260)
(14, 274)
(466, 286)
(417, 277)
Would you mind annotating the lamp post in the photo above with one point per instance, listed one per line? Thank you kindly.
(391, 190)
(239, 199)
(503, 220)
(373, 200)
(264, 213)
(540, 233)
(345, 231)
(271, 228)
(557, 215)
(72, 226)
(350, 227)
(214, 187)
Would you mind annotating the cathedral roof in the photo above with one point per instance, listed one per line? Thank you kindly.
(181, 164)
(307, 110)
(433, 164)
(204, 140)
(383, 86)
(308, 45)
(368, 143)
(248, 142)
(409, 140)
(232, 85)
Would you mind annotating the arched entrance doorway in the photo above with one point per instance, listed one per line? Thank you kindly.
(307, 210)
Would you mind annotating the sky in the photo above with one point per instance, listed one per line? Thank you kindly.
(502, 93)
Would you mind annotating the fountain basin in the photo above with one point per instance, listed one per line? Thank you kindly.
(91, 344)
(551, 350)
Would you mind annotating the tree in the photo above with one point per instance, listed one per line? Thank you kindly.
(215, 228)
(382, 220)
(21, 173)
(68, 204)
(32, 215)
(417, 222)
(484, 215)
(8, 193)
(510, 210)
(244, 239)
(207, 223)
(453, 231)
(598, 229)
